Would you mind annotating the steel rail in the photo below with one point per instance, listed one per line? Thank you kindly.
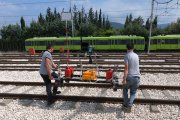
(92, 85)
(87, 99)
(99, 57)
(87, 62)
(91, 67)
(99, 53)
(102, 70)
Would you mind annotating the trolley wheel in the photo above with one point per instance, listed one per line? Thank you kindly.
(114, 88)
(67, 80)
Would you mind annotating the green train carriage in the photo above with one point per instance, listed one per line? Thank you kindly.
(167, 42)
(74, 43)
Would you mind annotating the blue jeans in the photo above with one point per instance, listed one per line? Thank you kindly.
(132, 83)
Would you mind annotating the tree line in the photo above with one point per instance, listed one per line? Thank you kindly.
(90, 23)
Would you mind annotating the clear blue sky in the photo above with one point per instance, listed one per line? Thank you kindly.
(117, 10)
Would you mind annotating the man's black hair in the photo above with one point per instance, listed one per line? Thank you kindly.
(49, 46)
(130, 46)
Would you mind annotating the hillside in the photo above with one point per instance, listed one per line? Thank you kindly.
(117, 25)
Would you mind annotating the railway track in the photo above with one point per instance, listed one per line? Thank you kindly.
(89, 67)
(98, 53)
(87, 99)
(101, 70)
(87, 62)
(154, 60)
(99, 57)
(98, 85)
(82, 97)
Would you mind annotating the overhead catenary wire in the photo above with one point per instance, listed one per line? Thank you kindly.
(163, 2)
(158, 9)
(30, 3)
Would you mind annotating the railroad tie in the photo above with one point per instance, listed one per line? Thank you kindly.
(75, 105)
(2, 86)
(178, 113)
(7, 101)
(99, 106)
(27, 102)
(169, 96)
(153, 108)
(65, 91)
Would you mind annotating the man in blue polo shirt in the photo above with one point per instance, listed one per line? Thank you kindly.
(131, 78)
(47, 74)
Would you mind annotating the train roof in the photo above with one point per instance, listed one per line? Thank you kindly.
(166, 37)
(84, 38)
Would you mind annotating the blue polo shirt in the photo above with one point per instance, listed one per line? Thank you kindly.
(132, 59)
(45, 55)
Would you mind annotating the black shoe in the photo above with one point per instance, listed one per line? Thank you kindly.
(126, 108)
(50, 102)
(56, 92)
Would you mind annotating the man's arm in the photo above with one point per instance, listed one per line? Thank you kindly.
(48, 61)
(54, 65)
(125, 73)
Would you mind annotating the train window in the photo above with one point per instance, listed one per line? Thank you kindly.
(59, 42)
(138, 42)
(89, 41)
(28, 43)
(171, 41)
(154, 41)
(162, 41)
(123, 42)
(129, 41)
(48, 42)
(119, 42)
(76, 42)
(115, 42)
(33, 43)
(102, 42)
(159, 42)
(92, 42)
(135, 41)
(142, 42)
(40, 43)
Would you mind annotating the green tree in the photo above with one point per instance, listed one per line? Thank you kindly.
(147, 24)
(49, 15)
(96, 18)
(100, 19)
(104, 22)
(155, 23)
(41, 19)
(23, 26)
(108, 25)
(138, 21)
(126, 22)
(91, 15)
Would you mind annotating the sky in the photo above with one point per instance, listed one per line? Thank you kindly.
(116, 10)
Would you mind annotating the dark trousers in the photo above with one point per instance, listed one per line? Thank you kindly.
(48, 84)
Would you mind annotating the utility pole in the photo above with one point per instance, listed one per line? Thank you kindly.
(150, 30)
(72, 20)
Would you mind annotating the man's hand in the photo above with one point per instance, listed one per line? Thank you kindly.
(55, 66)
(124, 80)
(51, 77)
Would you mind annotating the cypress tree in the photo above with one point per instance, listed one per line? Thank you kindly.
(22, 23)
(100, 19)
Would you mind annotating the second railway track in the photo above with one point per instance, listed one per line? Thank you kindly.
(81, 95)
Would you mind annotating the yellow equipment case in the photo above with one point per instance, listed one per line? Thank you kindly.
(89, 75)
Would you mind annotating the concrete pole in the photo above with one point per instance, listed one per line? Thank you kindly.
(72, 21)
(150, 30)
